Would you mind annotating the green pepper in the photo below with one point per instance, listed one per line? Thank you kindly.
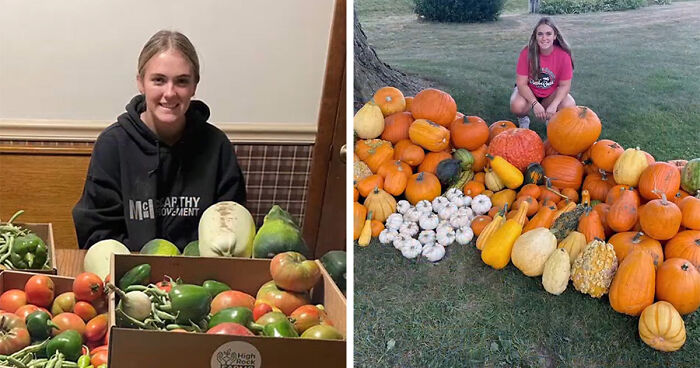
(215, 287)
(240, 315)
(29, 252)
(39, 325)
(68, 342)
(282, 328)
(190, 302)
(139, 275)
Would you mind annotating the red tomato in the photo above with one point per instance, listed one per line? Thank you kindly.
(25, 310)
(101, 357)
(68, 321)
(39, 290)
(12, 299)
(84, 310)
(306, 317)
(99, 349)
(230, 299)
(229, 328)
(164, 285)
(14, 336)
(87, 286)
(260, 309)
(63, 303)
(96, 328)
(100, 305)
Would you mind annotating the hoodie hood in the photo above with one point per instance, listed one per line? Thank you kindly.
(196, 115)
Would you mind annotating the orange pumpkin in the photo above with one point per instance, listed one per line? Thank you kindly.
(625, 242)
(429, 135)
(660, 218)
(590, 225)
(396, 126)
(359, 215)
(470, 132)
(531, 190)
(603, 209)
(549, 193)
(573, 129)
(480, 160)
(396, 180)
(393, 166)
(366, 185)
(690, 211)
(548, 149)
(409, 103)
(634, 284)
(355, 194)
(623, 212)
(679, 196)
(564, 171)
(604, 153)
(598, 185)
(686, 244)
(473, 188)
(500, 127)
(661, 177)
(390, 100)
(616, 191)
(532, 208)
(678, 164)
(431, 160)
(421, 186)
(434, 105)
(678, 282)
(410, 153)
(376, 227)
(480, 177)
(378, 155)
(571, 194)
(543, 218)
(479, 223)
(520, 147)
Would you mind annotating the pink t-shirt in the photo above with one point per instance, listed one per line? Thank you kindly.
(554, 67)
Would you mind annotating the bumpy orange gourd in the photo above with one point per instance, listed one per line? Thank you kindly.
(634, 284)
(593, 270)
(429, 135)
(573, 129)
(519, 147)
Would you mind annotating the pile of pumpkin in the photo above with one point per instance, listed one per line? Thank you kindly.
(575, 207)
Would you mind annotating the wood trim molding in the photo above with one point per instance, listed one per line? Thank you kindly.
(88, 130)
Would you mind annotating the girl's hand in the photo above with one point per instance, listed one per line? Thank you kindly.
(551, 110)
(539, 111)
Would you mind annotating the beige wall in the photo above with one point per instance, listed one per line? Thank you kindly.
(75, 60)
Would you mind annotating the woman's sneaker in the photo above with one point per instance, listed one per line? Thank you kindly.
(524, 122)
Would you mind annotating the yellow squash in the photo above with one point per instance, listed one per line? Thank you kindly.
(491, 228)
(509, 174)
(366, 234)
(496, 252)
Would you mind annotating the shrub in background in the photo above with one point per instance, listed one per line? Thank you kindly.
(460, 10)
(587, 6)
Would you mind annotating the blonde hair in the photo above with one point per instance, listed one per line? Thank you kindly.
(533, 49)
(169, 40)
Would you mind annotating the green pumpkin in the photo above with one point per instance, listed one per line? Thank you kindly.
(534, 174)
(465, 157)
(448, 171)
(690, 176)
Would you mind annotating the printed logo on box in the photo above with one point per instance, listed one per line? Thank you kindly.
(236, 354)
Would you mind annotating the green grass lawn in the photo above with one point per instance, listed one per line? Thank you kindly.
(639, 71)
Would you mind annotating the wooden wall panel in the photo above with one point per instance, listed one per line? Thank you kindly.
(46, 185)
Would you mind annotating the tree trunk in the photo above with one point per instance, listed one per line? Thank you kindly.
(370, 73)
(534, 6)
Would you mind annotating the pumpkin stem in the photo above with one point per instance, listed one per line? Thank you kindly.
(637, 236)
(549, 188)
(582, 112)
(684, 266)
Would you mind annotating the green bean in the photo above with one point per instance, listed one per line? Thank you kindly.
(59, 361)
(135, 288)
(37, 363)
(69, 364)
(16, 362)
(4, 256)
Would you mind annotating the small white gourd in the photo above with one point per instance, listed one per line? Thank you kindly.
(387, 236)
(401, 241)
(446, 212)
(402, 206)
(445, 236)
(412, 249)
(457, 221)
(458, 201)
(444, 225)
(452, 193)
(411, 215)
(466, 211)
(464, 235)
(467, 200)
(394, 221)
(409, 228)
(424, 206)
(426, 236)
(481, 204)
(429, 222)
(439, 202)
(433, 252)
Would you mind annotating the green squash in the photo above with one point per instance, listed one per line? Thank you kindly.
(191, 249)
(334, 262)
(448, 171)
(534, 174)
(690, 176)
(465, 158)
(279, 233)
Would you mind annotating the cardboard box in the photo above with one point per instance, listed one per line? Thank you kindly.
(141, 348)
(45, 232)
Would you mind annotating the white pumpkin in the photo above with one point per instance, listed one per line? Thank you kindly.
(532, 249)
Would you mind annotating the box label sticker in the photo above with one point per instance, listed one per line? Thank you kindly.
(236, 354)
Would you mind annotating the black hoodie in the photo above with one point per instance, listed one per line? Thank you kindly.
(139, 188)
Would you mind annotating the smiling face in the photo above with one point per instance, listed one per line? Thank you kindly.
(168, 85)
(545, 38)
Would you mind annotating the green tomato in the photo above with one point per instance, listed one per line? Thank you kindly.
(324, 332)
